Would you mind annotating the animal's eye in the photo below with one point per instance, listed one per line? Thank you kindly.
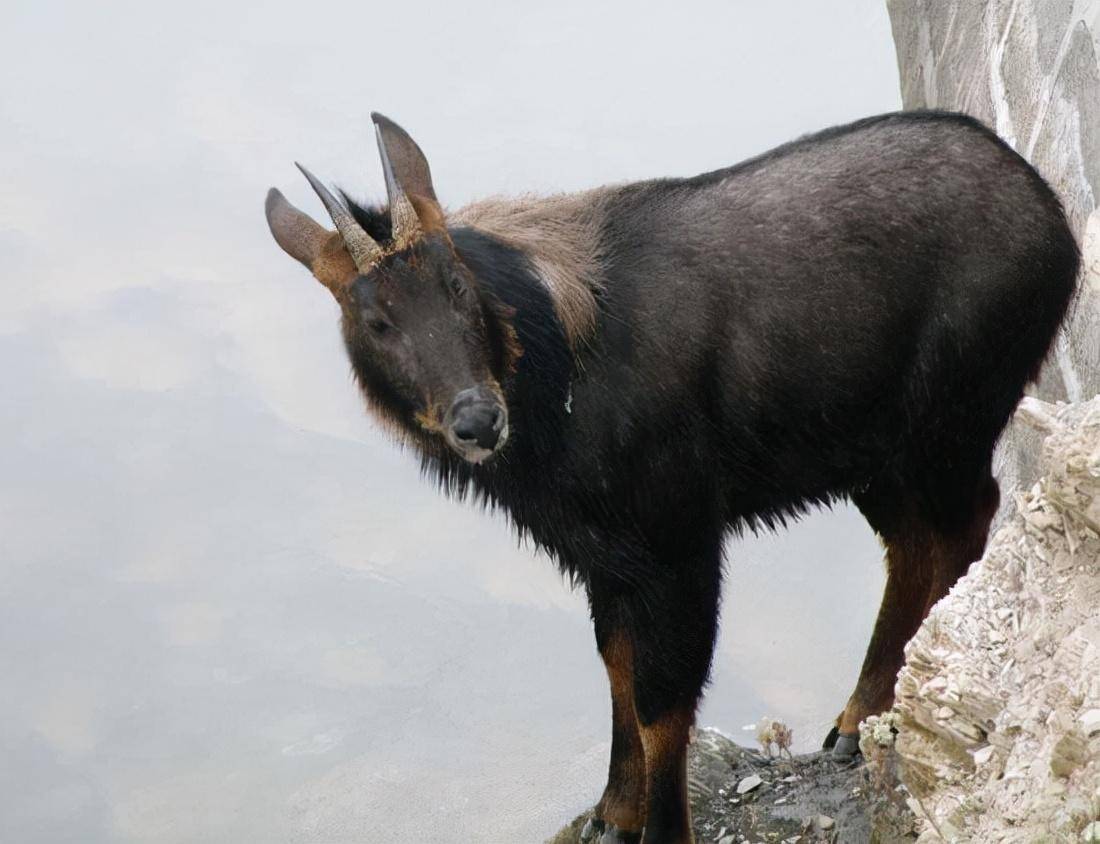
(378, 326)
(457, 284)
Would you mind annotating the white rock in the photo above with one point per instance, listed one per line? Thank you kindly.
(1090, 721)
(749, 783)
(1028, 721)
(983, 754)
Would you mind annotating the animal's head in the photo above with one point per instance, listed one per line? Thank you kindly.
(428, 348)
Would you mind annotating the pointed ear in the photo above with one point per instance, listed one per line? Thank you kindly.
(306, 241)
(409, 166)
(298, 234)
(408, 177)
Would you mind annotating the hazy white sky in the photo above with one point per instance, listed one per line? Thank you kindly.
(229, 610)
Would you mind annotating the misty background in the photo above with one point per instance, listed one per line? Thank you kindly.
(230, 609)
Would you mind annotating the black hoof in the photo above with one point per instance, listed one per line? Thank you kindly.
(846, 749)
(830, 740)
(597, 831)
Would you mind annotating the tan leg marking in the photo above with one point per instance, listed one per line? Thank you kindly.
(623, 801)
(668, 817)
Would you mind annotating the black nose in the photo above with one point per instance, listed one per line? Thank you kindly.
(476, 419)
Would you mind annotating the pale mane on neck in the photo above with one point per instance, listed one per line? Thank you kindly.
(562, 236)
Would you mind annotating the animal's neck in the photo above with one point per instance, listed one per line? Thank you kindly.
(561, 236)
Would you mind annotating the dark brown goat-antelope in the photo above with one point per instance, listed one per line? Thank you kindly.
(633, 371)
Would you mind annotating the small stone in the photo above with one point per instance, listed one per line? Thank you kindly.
(1090, 721)
(721, 833)
(1060, 721)
(983, 754)
(749, 783)
(944, 712)
(824, 823)
(1091, 833)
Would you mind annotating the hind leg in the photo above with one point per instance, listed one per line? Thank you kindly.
(930, 542)
(965, 543)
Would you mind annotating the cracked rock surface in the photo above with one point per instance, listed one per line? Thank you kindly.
(998, 704)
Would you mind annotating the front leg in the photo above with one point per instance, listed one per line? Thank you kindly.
(674, 641)
(620, 814)
(663, 631)
(668, 817)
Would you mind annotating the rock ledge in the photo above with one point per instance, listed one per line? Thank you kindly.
(798, 800)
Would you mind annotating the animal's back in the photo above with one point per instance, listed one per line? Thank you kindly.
(877, 293)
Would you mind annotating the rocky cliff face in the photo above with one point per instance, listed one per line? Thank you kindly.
(1029, 69)
(998, 705)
